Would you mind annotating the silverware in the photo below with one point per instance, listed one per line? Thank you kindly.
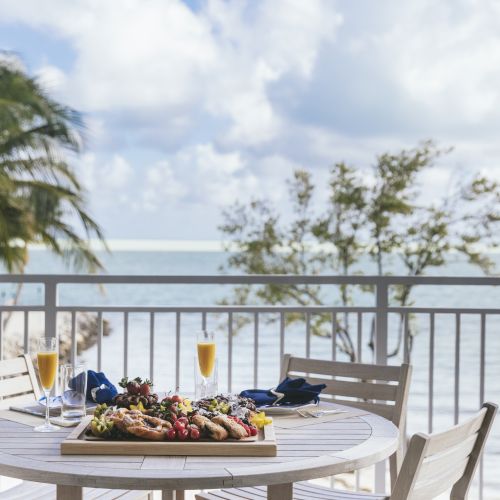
(318, 413)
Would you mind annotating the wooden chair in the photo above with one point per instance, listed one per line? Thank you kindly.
(380, 389)
(18, 384)
(432, 465)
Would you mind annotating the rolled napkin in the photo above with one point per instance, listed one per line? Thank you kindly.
(99, 389)
(291, 391)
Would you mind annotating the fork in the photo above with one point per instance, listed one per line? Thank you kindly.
(318, 414)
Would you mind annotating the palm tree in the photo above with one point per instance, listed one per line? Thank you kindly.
(40, 196)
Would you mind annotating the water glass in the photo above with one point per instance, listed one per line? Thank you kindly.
(73, 391)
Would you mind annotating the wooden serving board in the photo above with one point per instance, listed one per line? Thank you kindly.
(262, 445)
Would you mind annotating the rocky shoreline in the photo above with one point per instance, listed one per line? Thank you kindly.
(86, 333)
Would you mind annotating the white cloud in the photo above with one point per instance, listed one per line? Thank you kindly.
(102, 177)
(204, 175)
(160, 57)
(191, 109)
(160, 189)
(442, 59)
(52, 78)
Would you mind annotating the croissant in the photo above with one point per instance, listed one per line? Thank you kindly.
(235, 430)
(144, 426)
(215, 431)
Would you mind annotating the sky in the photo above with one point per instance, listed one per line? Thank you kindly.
(193, 105)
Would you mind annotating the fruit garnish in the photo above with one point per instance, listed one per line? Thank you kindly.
(123, 382)
(138, 406)
(260, 420)
(183, 420)
(185, 406)
(182, 434)
(145, 387)
(100, 409)
(176, 398)
(179, 426)
(101, 427)
(194, 433)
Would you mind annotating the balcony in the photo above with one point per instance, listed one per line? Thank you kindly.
(146, 325)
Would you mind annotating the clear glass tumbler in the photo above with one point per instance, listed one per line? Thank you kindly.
(73, 391)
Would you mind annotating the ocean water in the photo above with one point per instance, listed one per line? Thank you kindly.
(200, 263)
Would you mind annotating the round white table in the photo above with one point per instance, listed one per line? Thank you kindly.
(318, 449)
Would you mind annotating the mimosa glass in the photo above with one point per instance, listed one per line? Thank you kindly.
(47, 357)
(206, 356)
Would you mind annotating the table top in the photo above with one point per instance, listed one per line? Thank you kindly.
(318, 449)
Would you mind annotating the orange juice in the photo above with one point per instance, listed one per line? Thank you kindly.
(206, 358)
(47, 367)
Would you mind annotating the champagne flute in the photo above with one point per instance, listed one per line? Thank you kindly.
(47, 357)
(206, 349)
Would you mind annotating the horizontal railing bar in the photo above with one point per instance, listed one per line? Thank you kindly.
(249, 279)
(442, 310)
(15, 308)
(252, 309)
(216, 309)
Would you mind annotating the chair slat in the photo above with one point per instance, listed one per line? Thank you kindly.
(28, 490)
(15, 385)
(455, 435)
(17, 400)
(433, 466)
(362, 390)
(354, 370)
(441, 483)
(14, 366)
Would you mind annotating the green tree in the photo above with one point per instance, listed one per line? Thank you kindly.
(270, 245)
(384, 219)
(41, 198)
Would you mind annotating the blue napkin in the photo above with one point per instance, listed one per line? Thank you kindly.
(291, 391)
(99, 389)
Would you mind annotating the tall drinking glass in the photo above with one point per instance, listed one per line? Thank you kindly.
(206, 351)
(73, 384)
(47, 357)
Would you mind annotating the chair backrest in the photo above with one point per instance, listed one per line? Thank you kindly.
(17, 381)
(444, 460)
(379, 389)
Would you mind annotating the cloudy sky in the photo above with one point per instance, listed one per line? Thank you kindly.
(191, 105)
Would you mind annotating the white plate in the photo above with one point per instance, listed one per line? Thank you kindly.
(284, 410)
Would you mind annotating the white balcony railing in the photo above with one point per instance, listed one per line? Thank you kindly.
(456, 355)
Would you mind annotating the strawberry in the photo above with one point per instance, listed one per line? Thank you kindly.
(133, 387)
(145, 387)
(183, 434)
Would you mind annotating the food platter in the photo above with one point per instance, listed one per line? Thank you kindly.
(138, 422)
(78, 443)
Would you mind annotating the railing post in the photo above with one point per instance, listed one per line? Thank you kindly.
(381, 303)
(381, 330)
(50, 308)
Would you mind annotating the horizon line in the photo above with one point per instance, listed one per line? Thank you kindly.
(162, 245)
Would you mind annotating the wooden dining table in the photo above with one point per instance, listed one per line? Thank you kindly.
(306, 449)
